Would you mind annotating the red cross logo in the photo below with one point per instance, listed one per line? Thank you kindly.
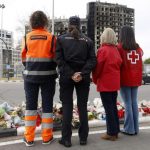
(133, 56)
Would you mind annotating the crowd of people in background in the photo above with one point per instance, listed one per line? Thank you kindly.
(117, 65)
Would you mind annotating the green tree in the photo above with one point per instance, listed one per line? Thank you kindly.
(147, 61)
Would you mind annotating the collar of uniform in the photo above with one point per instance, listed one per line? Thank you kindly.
(41, 29)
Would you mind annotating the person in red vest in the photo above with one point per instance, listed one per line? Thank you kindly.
(107, 78)
(38, 57)
(131, 78)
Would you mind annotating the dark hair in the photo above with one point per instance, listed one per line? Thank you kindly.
(127, 38)
(74, 31)
(74, 20)
(38, 19)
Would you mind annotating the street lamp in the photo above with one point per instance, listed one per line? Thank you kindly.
(2, 6)
(53, 17)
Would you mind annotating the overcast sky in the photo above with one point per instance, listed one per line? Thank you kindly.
(21, 9)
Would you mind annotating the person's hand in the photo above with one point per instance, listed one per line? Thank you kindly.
(77, 77)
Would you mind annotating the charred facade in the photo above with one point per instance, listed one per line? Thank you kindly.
(101, 15)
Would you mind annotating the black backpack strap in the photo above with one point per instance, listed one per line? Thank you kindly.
(25, 42)
(52, 43)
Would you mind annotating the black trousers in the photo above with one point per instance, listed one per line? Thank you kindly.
(66, 96)
(47, 93)
(109, 100)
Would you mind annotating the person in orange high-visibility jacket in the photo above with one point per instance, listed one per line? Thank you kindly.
(38, 58)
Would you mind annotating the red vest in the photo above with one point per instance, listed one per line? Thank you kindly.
(131, 69)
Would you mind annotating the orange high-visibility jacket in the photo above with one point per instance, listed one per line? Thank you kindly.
(38, 56)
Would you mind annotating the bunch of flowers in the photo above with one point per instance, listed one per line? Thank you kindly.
(144, 108)
(121, 110)
(13, 117)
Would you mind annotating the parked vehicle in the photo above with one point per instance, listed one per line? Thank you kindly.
(146, 73)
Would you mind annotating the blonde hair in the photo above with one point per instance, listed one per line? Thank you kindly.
(108, 36)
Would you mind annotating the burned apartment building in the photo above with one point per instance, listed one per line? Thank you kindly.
(61, 26)
(101, 15)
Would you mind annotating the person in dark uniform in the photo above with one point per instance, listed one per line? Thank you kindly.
(76, 59)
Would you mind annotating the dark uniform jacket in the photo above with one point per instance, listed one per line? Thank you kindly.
(75, 55)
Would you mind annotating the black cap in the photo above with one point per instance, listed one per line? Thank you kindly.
(74, 20)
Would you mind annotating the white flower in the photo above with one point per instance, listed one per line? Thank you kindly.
(97, 102)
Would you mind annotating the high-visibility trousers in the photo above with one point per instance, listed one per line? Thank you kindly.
(47, 126)
(30, 125)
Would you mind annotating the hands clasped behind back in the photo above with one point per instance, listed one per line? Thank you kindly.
(77, 77)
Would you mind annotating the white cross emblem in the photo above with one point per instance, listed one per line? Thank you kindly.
(133, 56)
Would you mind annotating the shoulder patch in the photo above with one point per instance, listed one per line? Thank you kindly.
(38, 37)
(69, 38)
(83, 39)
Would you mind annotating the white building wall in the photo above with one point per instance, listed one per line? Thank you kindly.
(7, 37)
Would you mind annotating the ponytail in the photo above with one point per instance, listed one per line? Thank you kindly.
(74, 31)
